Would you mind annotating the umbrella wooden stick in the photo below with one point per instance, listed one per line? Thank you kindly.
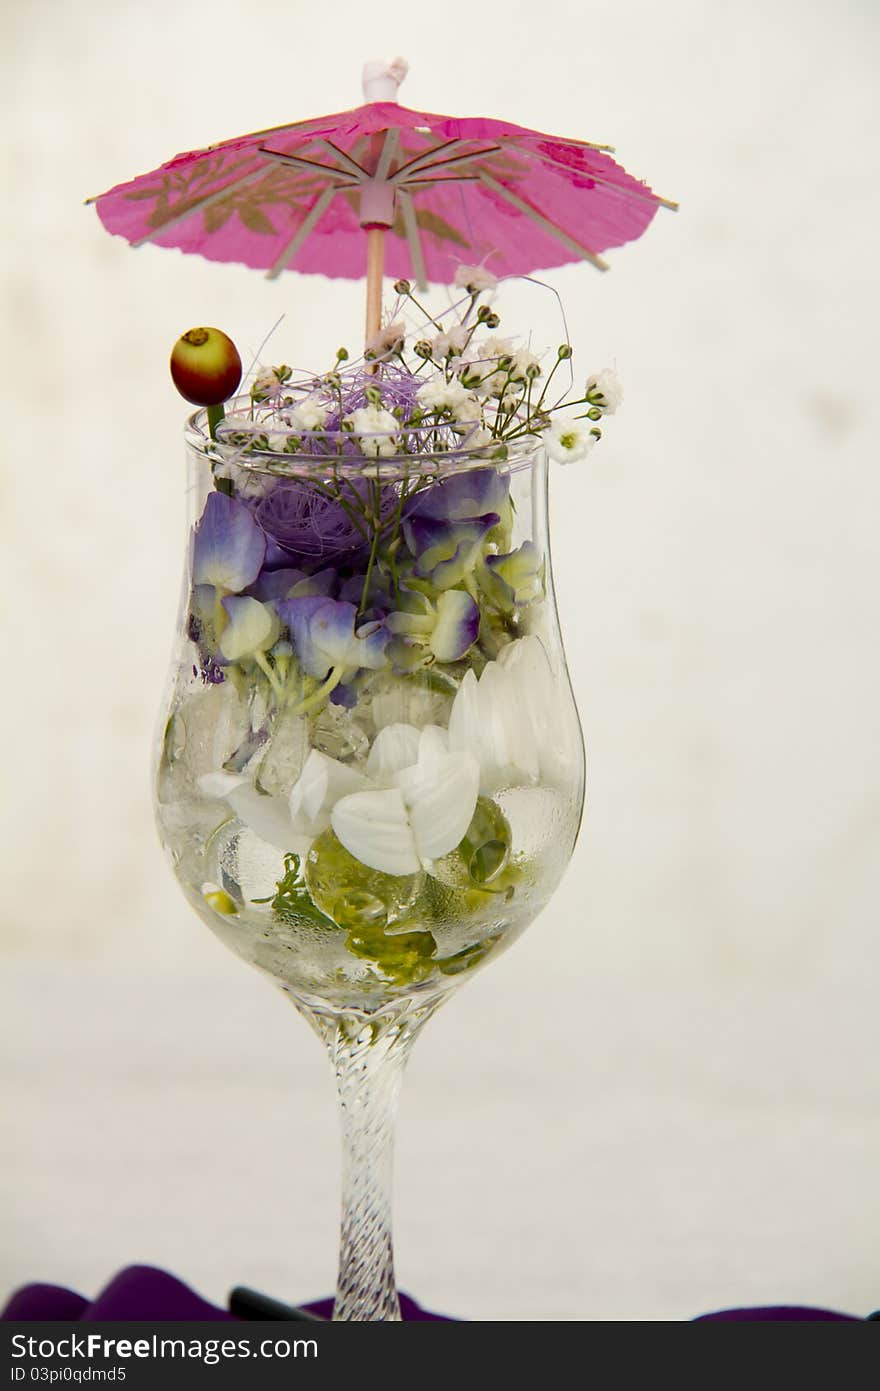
(375, 273)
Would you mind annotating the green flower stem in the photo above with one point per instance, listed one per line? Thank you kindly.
(262, 662)
(215, 415)
(422, 308)
(377, 528)
(335, 495)
(319, 696)
(398, 516)
(475, 295)
(220, 616)
(540, 400)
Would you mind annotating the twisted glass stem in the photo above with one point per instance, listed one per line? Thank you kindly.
(369, 1053)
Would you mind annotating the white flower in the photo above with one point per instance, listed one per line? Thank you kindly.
(485, 352)
(386, 341)
(440, 395)
(525, 365)
(480, 365)
(469, 409)
(267, 385)
(321, 783)
(413, 800)
(569, 439)
(508, 719)
(377, 430)
(492, 347)
(251, 628)
(450, 344)
(475, 279)
(474, 436)
(248, 482)
(423, 814)
(487, 721)
(606, 389)
(468, 422)
(310, 414)
(267, 817)
(394, 747)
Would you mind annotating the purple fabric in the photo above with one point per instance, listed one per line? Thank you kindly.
(142, 1294)
(777, 1313)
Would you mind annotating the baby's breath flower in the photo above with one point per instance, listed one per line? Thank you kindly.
(440, 395)
(569, 439)
(605, 390)
(248, 483)
(310, 414)
(450, 344)
(485, 349)
(376, 428)
(474, 279)
(468, 409)
(386, 341)
(268, 384)
(524, 365)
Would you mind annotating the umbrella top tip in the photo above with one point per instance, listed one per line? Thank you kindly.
(381, 78)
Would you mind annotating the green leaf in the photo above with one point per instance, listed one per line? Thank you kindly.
(256, 220)
(431, 222)
(292, 902)
(216, 216)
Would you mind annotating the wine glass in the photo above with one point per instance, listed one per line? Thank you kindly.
(370, 774)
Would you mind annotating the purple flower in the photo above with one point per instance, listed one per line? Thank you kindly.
(379, 593)
(346, 696)
(324, 636)
(228, 546)
(277, 558)
(516, 578)
(463, 496)
(447, 552)
(292, 584)
(444, 630)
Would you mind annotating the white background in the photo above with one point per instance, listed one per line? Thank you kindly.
(664, 1099)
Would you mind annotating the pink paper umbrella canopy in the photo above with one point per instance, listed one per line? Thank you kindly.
(449, 190)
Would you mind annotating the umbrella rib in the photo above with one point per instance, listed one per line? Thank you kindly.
(389, 151)
(624, 190)
(427, 155)
(312, 166)
(634, 192)
(315, 211)
(544, 222)
(424, 168)
(451, 179)
(356, 170)
(198, 205)
(413, 237)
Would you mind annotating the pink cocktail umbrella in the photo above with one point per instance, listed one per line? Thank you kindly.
(430, 192)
